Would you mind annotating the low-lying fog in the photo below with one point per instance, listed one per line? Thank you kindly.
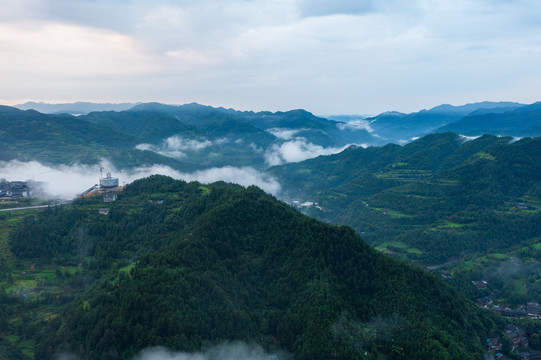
(226, 351)
(65, 181)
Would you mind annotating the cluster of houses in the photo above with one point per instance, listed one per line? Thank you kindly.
(531, 310)
(14, 189)
(516, 335)
(519, 340)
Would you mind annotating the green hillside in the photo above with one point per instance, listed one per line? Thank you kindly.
(523, 121)
(63, 139)
(148, 127)
(440, 196)
(183, 265)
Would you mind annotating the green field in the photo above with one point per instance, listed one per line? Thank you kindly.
(396, 245)
(28, 281)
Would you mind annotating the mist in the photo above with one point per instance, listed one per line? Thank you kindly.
(297, 150)
(175, 146)
(227, 351)
(465, 138)
(359, 124)
(283, 133)
(65, 181)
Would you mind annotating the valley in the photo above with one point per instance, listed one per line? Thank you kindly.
(446, 211)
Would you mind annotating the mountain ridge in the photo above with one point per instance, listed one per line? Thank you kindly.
(234, 263)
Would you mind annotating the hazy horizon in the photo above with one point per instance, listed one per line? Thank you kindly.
(344, 57)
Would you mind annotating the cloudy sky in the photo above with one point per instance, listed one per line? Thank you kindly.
(329, 57)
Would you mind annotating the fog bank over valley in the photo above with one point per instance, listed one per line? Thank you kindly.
(66, 181)
(226, 351)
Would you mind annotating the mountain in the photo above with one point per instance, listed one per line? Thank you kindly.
(519, 122)
(314, 129)
(184, 137)
(215, 122)
(64, 139)
(399, 127)
(438, 197)
(147, 126)
(486, 106)
(184, 265)
(77, 108)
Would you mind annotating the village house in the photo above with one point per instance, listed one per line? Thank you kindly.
(522, 206)
(513, 313)
(482, 284)
(493, 342)
(14, 189)
(530, 355)
(484, 301)
(517, 335)
(534, 310)
(109, 197)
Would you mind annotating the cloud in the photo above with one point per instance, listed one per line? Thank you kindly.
(233, 351)
(175, 146)
(225, 351)
(324, 7)
(465, 139)
(283, 133)
(328, 57)
(67, 181)
(295, 151)
(359, 124)
(244, 176)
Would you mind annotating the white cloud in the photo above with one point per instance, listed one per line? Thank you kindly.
(295, 151)
(324, 7)
(328, 57)
(283, 133)
(464, 138)
(67, 181)
(175, 146)
(234, 351)
(244, 176)
(180, 143)
(359, 124)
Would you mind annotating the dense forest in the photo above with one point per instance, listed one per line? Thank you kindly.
(443, 195)
(183, 265)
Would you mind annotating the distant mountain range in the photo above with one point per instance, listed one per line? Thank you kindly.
(402, 128)
(498, 118)
(519, 121)
(187, 136)
(194, 136)
(77, 108)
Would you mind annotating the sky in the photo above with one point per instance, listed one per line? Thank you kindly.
(328, 57)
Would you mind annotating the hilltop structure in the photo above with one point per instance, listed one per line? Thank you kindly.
(108, 188)
(108, 182)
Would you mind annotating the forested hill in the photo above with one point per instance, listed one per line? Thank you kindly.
(64, 139)
(184, 264)
(441, 196)
(523, 121)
